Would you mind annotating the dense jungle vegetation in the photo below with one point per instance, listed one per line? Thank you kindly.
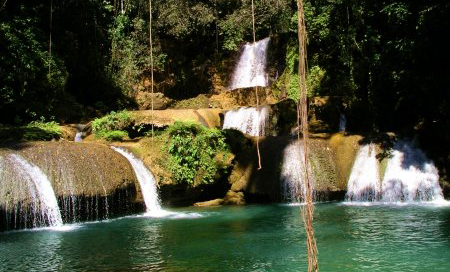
(385, 62)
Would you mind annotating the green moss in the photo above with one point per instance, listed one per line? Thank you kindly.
(201, 101)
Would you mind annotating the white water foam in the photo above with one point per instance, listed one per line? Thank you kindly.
(410, 179)
(251, 68)
(147, 183)
(41, 190)
(364, 182)
(177, 215)
(78, 137)
(410, 176)
(432, 204)
(249, 120)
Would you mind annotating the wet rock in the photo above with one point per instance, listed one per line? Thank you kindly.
(234, 198)
(209, 203)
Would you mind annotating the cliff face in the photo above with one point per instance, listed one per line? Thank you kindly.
(331, 162)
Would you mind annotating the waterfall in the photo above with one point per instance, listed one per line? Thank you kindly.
(251, 68)
(292, 172)
(146, 181)
(342, 122)
(78, 137)
(410, 176)
(250, 120)
(44, 205)
(364, 182)
(82, 131)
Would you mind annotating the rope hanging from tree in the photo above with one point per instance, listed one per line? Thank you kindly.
(302, 115)
(256, 88)
(50, 39)
(151, 60)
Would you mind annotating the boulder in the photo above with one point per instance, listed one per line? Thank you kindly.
(160, 102)
(90, 182)
(234, 198)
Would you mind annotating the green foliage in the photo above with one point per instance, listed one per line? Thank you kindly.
(34, 131)
(115, 135)
(181, 19)
(236, 140)
(130, 56)
(110, 125)
(195, 153)
(24, 69)
(271, 16)
(314, 80)
(290, 78)
(42, 130)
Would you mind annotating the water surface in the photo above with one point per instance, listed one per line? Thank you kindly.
(251, 238)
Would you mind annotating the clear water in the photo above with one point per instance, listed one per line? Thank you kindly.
(253, 238)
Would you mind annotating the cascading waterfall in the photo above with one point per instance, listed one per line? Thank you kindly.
(44, 206)
(82, 131)
(251, 68)
(364, 182)
(78, 137)
(292, 172)
(342, 122)
(249, 120)
(146, 181)
(410, 176)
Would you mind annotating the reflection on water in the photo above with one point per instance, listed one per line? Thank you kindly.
(252, 238)
(34, 252)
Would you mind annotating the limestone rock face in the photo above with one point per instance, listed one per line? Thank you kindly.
(80, 168)
(234, 198)
(162, 118)
(331, 161)
(344, 150)
(68, 132)
(210, 203)
(160, 102)
(242, 98)
(90, 181)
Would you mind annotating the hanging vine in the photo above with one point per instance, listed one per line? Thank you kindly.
(151, 59)
(256, 88)
(50, 39)
(302, 116)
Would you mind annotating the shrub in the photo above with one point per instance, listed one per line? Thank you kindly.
(195, 153)
(41, 130)
(115, 135)
(113, 122)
